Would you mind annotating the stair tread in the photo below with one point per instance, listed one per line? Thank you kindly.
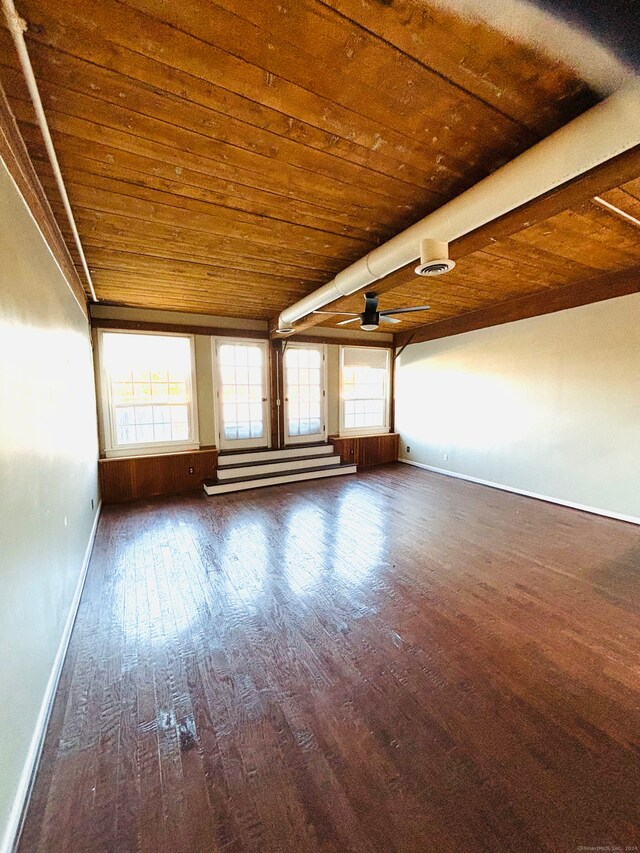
(285, 459)
(228, 454)
(211, 482)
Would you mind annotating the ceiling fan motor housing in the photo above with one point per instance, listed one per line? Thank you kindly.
(434, 258)
(370, 316)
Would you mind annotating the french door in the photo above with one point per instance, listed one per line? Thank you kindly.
(304, 393)
(242, 396)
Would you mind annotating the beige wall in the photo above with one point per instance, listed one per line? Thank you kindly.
(48, 452)
(204, 362)
(549, 405)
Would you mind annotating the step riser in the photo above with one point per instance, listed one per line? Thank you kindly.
(274, 467)
(273, 455)
(224, 488)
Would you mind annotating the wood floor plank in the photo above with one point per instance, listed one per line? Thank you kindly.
(396, 663)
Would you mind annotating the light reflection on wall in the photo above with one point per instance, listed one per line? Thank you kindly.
(473, 411)
(60, 358)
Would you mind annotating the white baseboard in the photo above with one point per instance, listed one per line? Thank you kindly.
(23, 793)
(632, 519)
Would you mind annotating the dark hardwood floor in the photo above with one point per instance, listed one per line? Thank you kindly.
(394, 662)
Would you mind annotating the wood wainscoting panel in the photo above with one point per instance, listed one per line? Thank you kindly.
(130, 478)
(367, 450)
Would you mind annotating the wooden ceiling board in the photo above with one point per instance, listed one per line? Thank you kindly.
(122, 233)
(157, 76)
(623, 199)
(231, 157)
(570, 236)
(75, 26)
(127, 130)
(513, 78)
(384, 88)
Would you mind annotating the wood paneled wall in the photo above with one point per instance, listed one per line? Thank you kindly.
(366, 450)
(126, 479)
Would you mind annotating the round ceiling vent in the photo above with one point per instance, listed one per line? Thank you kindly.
(435, 267)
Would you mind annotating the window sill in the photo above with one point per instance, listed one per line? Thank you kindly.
(363, 433)
(136, 452)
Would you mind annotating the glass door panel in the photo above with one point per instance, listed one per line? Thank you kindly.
(243, 405)
(304, 384)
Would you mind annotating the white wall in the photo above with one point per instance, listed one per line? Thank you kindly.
(549, 405)
(48, 461)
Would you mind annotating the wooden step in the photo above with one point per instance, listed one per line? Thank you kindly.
(251, 456)
(240, 484)
(298, 463)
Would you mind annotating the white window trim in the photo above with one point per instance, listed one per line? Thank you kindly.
(361, 431)
(318, 436)
(217, 385)
(147, 448)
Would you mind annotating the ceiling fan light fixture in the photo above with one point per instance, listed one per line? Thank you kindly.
(369, 327)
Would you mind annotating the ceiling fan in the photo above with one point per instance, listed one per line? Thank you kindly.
(371, 318)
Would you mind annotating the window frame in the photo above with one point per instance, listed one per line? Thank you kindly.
(149, 448)
(359, 431)
(237, 444)
(317, 436)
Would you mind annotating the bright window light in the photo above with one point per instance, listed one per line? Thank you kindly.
(242, 391)
(149, 389)
(304, 386)
(365, 389)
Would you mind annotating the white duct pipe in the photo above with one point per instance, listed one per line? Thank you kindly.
(17, 28)
(601, 133)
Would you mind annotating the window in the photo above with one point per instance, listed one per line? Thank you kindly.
(304, 392)
(147, 392)
(364, 390)
(242, 393)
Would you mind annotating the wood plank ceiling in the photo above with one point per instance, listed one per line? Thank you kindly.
(229, 158)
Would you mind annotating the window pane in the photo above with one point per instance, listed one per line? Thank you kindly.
(255, 357)
(144, 433)
(122, 392)
(162, 432)
(144, 415)
(180, 432)
(303, 378)
(241, 391)
(179, 413)
(145, 373)
(125, 416)
(162, 414)
(364, 384)
(126, 435)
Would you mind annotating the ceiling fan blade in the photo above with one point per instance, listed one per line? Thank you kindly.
(345, 322)
(384, 319)
(343, 313)
(406, 310)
